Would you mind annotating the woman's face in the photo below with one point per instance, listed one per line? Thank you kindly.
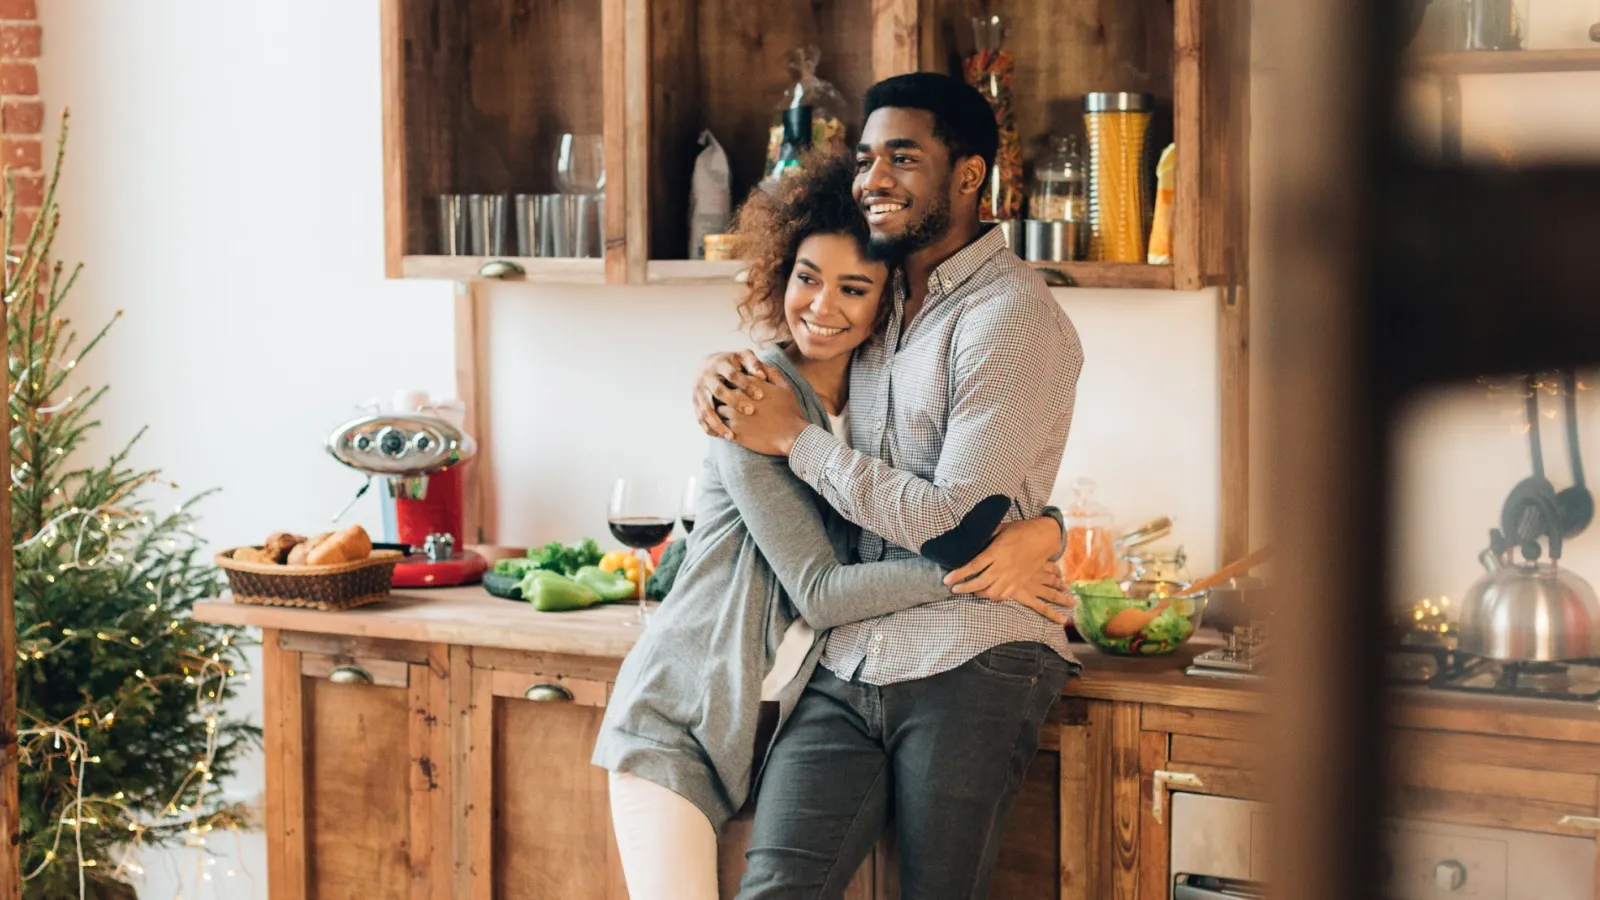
(831, 302)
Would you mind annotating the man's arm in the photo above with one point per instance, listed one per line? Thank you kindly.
(1004, 373)
(783, 520)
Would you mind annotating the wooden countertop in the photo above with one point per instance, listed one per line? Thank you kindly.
(468, 616)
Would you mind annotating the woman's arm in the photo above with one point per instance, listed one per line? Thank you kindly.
(781, 515)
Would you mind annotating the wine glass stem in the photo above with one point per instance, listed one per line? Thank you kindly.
(644, 569)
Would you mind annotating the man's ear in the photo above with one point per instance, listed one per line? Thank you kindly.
(971, 174)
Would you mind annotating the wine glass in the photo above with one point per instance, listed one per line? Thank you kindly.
(641, 516)
(581, 163)
(691, 503)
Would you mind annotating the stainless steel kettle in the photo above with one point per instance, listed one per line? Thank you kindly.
(1530, 611)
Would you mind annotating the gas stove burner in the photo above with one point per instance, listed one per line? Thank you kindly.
(1578, 680)
(1539, 676)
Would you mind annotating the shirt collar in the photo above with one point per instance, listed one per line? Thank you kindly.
(967, 261)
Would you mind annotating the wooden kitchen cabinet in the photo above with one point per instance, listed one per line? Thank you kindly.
(475, 94)
(532, 722)
(456, 763)
(353, 805)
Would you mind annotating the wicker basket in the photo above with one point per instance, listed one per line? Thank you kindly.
(328, 588)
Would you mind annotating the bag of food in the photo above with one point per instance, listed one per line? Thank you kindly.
(827, 107)
(710, 195)
(1166, 192)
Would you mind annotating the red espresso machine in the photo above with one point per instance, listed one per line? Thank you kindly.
(421, 456)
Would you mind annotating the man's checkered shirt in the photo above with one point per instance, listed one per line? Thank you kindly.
(974, 400)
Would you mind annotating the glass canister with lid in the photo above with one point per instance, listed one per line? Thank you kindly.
(1058, 205)
(1117, 123)
(1091, 553)
(1157, 563)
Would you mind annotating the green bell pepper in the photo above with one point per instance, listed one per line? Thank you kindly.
(551, 592)
(609, 585)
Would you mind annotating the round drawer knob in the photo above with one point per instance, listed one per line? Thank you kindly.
(548, 693)
(350, 675)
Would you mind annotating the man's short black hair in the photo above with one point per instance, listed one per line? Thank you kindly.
(961, 117)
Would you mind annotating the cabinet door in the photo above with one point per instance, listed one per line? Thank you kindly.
(353, 787)
(549, 829)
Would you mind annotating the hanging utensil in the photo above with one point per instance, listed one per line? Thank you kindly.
(1130, 621)
(1576, 503)
(1519, 520)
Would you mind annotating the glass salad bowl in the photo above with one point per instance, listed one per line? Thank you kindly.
(1116, 616)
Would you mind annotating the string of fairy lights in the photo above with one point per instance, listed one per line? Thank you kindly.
(210, 676)
(94, 535)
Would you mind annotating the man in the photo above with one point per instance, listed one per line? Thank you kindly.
(960, 410)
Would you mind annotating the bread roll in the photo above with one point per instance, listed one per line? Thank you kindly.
(252, 554)
(279, 544)
(297, 554)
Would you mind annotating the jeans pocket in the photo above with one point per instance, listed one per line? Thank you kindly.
(1017, 662)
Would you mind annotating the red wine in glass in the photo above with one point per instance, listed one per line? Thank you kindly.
(641, 515)
(640, 532)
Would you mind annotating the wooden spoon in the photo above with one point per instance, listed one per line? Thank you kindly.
(1128, 622)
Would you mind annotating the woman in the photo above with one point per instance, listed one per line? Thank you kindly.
(766, 563)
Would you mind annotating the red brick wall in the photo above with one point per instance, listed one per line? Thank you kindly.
(21, 110)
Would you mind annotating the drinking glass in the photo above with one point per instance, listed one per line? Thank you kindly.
(691, 503)
(581, 164)
(641, 516)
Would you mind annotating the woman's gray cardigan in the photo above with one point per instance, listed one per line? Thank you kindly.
(765, 549)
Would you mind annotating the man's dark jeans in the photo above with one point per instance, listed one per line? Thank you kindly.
(945, 755)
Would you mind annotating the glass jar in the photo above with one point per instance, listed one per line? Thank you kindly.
(1091, 544)
(989, 69)
(1118, 192)
(828, 107)
(1058, 192)
(1160, 563)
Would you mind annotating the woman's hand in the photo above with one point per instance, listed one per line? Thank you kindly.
(1016, 566)
(728, 379)
(772, 424)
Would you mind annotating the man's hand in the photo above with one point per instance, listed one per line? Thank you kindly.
(732, 380)
(1016, 567)
(772, 424)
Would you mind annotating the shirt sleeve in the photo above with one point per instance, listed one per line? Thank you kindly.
(1009, 356)
(781, 515)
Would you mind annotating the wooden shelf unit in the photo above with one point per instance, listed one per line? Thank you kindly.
(476, 93)
(1509, 62)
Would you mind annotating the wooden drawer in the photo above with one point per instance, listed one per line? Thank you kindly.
(1475, 779)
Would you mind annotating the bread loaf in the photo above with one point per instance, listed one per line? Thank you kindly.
(349, 545)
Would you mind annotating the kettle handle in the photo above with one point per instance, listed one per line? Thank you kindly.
(1529, 499)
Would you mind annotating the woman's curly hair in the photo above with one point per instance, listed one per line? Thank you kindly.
(770, 229)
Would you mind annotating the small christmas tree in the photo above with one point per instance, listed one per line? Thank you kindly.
(122, 729)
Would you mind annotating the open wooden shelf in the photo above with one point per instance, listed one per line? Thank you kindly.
(476, 93)
(536, 270)
(1509, 62)
(1111, 275)
(695, 271)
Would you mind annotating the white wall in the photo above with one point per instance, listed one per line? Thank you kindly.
(224, 188)
(590, 384)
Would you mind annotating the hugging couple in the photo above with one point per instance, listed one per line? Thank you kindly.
(868, 618)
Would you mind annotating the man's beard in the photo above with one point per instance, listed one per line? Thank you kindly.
(924, 231)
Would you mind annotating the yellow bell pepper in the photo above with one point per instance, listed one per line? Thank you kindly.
(626, 563)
